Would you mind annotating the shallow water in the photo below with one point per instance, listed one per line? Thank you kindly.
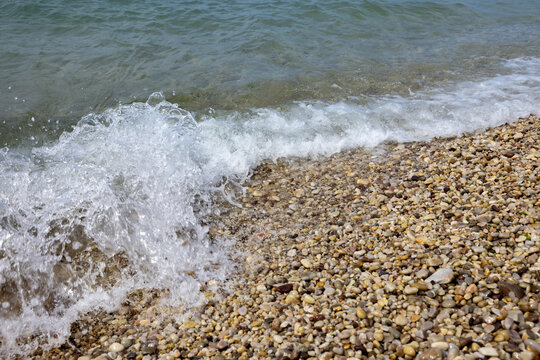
(122, 123)
(62, 61)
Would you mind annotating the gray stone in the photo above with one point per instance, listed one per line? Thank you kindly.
(489, 328)
(511, 348)
(441, 276)
(149, 348)
(453, 351)
(516, 315)
(535, 345)
(222, 345)
(242, 311)
(514, 336)
(478, 249)
(422, 274)
(127, 342)
(426, 326)
(488, 351)
(448, 303)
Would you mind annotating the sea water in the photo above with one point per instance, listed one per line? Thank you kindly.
(124, 123)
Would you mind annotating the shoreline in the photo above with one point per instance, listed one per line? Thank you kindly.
(422, 249)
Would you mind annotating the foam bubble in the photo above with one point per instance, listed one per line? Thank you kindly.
(119, 203)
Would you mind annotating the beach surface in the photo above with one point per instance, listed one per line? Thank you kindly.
(427, 250)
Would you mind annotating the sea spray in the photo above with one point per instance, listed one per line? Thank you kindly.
(113, 206)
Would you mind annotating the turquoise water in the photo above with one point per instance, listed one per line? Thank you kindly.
(123, 123)
(62, 60)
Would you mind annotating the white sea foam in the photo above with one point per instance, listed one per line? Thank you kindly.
(113, 206)
(317, 128)
(119, 203)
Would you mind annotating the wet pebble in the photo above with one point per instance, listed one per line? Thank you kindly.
(430, 354)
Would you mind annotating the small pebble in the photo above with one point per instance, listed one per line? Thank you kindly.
(409, 290)
(441, 276)
(440, 345)
(527, 355)
(242, 310)
(116, 347)
(488, 351)
(409, 351)
(360, 313)
(306, 263)
(401, 320)
(430, 354)
(222, 345)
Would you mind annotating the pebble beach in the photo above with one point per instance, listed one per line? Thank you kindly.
(421, 250)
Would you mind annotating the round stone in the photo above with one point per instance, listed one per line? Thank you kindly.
(409, 350)
(527, 355)
(127, 342)
(448, 303)
(401, 320)
(116, 347)
(409, 290)
(242, 311)
(360, 313)
(306, 263)
(434, 261)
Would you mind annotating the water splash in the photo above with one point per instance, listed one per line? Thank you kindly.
(116, 204)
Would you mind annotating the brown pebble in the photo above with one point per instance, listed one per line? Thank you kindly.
(222, 345)
(509, 347)
(507, 288)
(285, 288)
(466, 341)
